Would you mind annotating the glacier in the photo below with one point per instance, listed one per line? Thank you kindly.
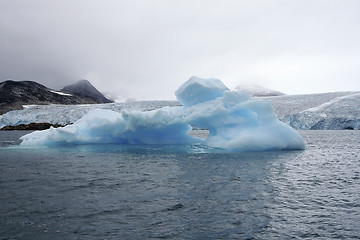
(235, 121)
(68, 114)
(322, 111)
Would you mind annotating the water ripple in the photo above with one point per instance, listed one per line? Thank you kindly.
(111, 192)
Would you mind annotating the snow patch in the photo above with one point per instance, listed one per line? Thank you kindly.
(60, 93)
(29, 106)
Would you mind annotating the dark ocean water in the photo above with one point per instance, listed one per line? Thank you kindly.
(181, 192)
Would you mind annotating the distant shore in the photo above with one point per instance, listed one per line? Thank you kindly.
(31, 126)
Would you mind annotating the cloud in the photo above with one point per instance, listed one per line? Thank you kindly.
(146, 49)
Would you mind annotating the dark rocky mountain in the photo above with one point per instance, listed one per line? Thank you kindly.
(15, 94)
(85, 88)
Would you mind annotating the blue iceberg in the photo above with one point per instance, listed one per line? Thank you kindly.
(235, 121)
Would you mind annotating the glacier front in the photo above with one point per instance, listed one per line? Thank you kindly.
(235, 121)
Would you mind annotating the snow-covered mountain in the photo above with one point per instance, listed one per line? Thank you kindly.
(338, 110)
(117, 97)
(258, 91)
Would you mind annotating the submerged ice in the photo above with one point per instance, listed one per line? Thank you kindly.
(234, 120)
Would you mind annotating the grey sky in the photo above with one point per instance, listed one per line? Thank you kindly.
(147, 49)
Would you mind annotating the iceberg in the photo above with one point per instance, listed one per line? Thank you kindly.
(235, 121)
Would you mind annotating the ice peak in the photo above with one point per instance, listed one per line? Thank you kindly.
(197, 90)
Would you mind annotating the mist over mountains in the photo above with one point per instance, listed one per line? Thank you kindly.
(258, 91)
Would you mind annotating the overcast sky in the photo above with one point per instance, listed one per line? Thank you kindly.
(145, 49)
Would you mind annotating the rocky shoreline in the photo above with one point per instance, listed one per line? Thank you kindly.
(31, 126)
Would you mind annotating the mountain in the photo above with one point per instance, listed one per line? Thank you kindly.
(258, 91)
(85, 88)
(15, 94)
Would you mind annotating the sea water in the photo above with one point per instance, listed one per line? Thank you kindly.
(181, 192)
